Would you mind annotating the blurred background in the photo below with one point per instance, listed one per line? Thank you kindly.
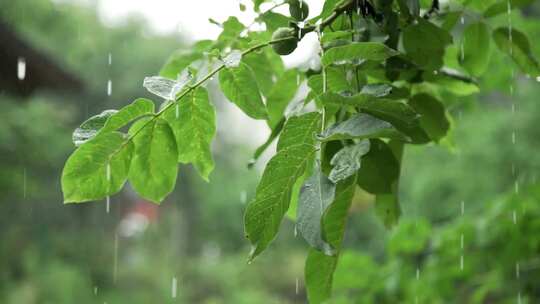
(470, 230)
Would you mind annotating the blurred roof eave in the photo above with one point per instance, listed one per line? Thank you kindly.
(41, 70)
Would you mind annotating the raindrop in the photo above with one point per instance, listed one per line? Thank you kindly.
(297, 287)
(462, 51)
(108, 205)
(243, 196)
(95, 290)
(297, 79)
(295, 232)
(513, 169)
(461, 263)
(462, 20)
(110, 58)
(538, 78)
(516, 187)
(462, 207)
(417, 273)
(462, 243)
(517, 270)
(177, 110)
(108, 172)
(21, 68)
(109, 87)
(233, 59)
(324, 80)
(519, 298)
(514, 137)
(174, 285)
(514, 217)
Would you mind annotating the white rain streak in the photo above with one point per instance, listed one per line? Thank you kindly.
(108, 176)
(417, 273)
(174, 287)
(461, 261)
(110, 59)
(115, 261)
(297, 285)
(95, 290)
(109, 87)
(177, 110)
(243, 196)
(517, 270)
(295, 232)
(462, 240)
(21, 68)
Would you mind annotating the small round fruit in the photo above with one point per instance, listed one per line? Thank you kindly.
(298, 9)
(287, 46)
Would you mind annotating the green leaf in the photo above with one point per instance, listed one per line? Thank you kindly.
(273, 20)
(266, 66)
(90, 127)
(474, 56)
(380, 169)
(239, 86)
(502, 7)
(231, 30)
(316, 194)
(97, 169)
(298, 130)
(295, 152)
(347, 161)
(358, 51)
(432, 115)
(387, 209)
(281, 94)
(139, 107)
(453, 81)
(425, 43)
(387, 204)
(177, 62)
(155, 162)
(336, 81)
(319, 268)
(360, 126)
(517, 46)
(193, 121)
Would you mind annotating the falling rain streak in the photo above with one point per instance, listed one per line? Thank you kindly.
(108, 198)
(297, 286)
(21, 68)
(462, 241)
(109, 87)
(174, 286)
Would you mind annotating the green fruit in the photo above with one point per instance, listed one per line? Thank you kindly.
(298, 9)
(284, 47)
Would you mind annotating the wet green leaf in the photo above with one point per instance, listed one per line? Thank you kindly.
(316, 195)
(295, 152)
(155, 160)
(358, 51)
(517, 46)
(319, 268)
(474, 56)
(425, 43)
(193, 121)
(97, 169)
(347, 161)
(239, 86)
